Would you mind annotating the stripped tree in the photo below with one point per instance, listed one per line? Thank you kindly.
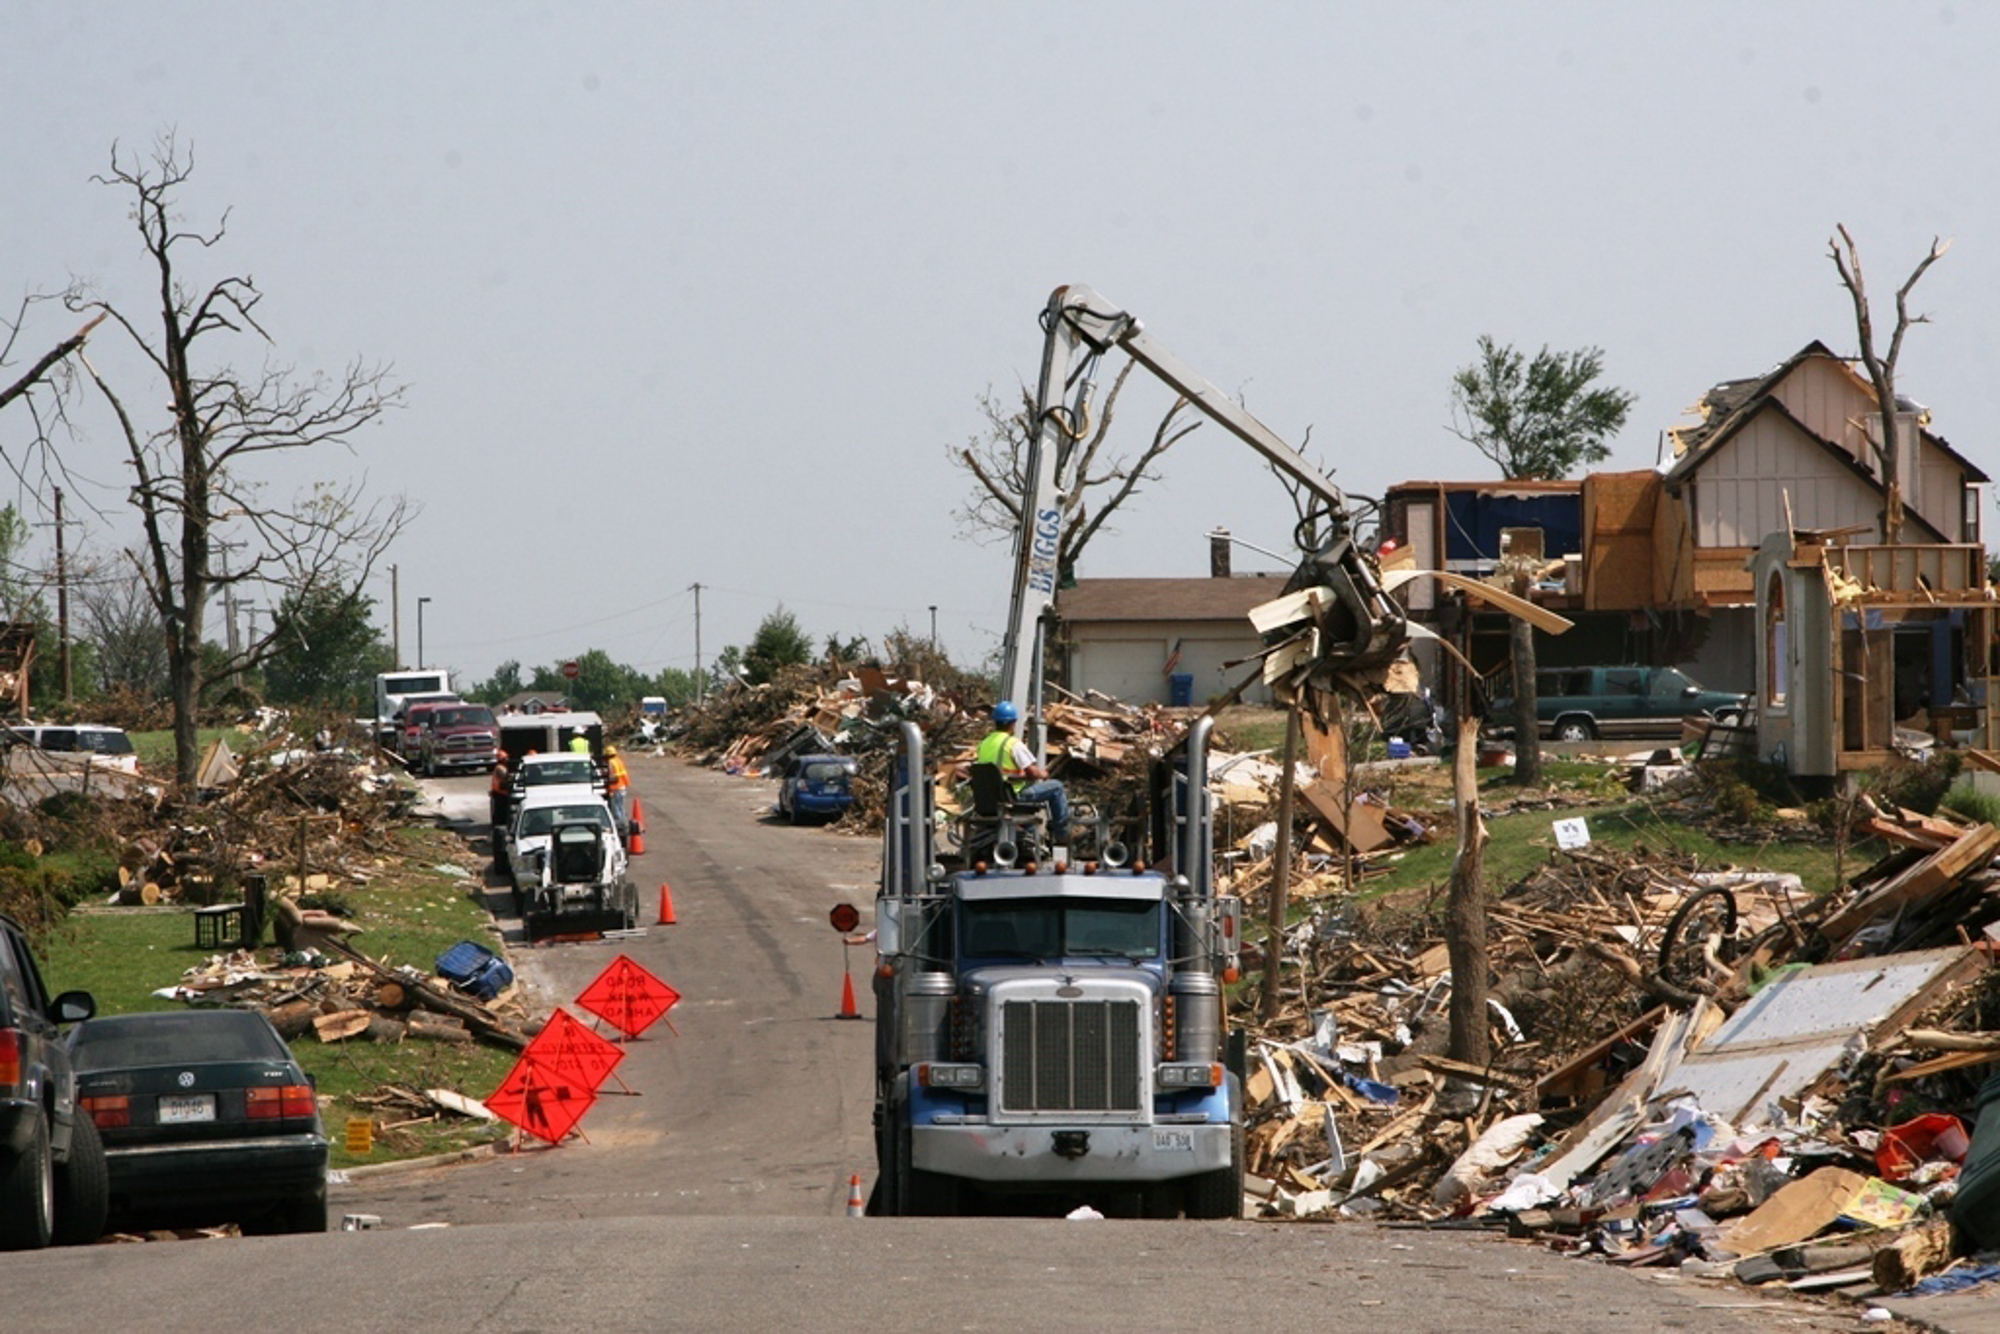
(1882, 368)
(1105, 477)
(193, 482)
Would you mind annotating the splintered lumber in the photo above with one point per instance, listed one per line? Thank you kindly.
(452, 1101)
(1912, 1256)
(1936, 1039)
(1365, 831)
(341, 1024)
(1475, 1074)
(1916, 885)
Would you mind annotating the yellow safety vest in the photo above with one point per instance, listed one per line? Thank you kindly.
(998, 748)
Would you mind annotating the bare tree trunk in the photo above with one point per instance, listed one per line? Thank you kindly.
(1527, 719)
(1882, 368)
(1281, 873)
(1465, 908)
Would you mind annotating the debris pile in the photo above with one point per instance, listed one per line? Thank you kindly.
(343, 994)
(271, 814)
(1708, 1068)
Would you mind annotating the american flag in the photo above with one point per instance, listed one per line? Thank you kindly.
(1173, 660)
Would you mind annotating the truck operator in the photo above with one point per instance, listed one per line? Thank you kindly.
(1030, 781)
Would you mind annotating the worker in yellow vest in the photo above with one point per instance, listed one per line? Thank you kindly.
(1030, 781)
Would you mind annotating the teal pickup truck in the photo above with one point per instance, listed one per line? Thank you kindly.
(1583, 703)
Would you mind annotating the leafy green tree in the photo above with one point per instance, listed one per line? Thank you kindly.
(676, 685)
(1537, 418)
(601, 683)
(505, 681)
(727, 667)
(222, 685)
(778, 643)
(326, 650)
(846, 650)
(548, 680)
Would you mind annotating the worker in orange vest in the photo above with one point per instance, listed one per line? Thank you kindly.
(617, 785)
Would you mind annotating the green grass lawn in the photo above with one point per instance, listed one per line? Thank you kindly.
(410, 913)
(156, 749)
(1522, 840)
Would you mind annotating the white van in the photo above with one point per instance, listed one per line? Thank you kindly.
(108, 746)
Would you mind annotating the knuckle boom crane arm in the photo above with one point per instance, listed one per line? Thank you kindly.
(1361, 627)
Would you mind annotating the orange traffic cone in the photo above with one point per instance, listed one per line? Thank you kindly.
(637, 843)
(856, 1208)
(848, 1009)
(667, 917)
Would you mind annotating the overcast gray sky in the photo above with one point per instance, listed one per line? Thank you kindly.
(702, 293)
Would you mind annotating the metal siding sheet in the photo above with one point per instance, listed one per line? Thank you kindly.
(1798, 1027)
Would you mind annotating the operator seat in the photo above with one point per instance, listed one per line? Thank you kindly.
(579, 853)
(994, 808)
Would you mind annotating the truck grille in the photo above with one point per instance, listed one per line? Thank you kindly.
(1070, 1056)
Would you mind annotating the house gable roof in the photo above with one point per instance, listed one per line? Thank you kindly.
(1733, 404)
(1211, 599)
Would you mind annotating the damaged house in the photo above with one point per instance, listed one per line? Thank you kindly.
(1791, 449)
(1656, 562)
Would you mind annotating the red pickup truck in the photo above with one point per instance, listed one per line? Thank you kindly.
(442, 736)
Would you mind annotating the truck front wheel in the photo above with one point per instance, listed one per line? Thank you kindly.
(1219, 1194)
(912, 1192)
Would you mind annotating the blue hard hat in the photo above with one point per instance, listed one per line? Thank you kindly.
(1005, 712)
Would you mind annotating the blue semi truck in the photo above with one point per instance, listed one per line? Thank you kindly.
(1054, 1028)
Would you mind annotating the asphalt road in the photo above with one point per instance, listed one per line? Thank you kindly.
(713, 1197)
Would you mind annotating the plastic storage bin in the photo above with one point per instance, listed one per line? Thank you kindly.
(475, 970)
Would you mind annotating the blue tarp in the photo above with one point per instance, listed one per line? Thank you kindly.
(1473, 520)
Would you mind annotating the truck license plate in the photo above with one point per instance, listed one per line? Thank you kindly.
(180, 1108)
(1173, 1141)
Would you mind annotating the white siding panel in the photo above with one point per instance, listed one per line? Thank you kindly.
(1827, 400)
(1741, 490)
(1939, 494)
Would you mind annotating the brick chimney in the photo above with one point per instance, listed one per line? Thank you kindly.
(1218, 554)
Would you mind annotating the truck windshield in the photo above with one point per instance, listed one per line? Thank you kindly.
(1061, 928)
(462, 718)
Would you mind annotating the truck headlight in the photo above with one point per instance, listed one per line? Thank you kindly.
(1189, 1075)
(942, 1075)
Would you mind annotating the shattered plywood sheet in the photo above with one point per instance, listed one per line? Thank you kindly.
(1799, 1027)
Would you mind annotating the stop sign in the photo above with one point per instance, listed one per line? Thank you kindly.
(844, 917)
(570, 670)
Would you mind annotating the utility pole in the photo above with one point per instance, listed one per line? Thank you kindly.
(229, 612)
(62, 603)
(420, 632)
(700, 676)
(933, 627)
(395, 617)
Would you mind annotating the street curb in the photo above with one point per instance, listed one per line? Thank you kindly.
(367, 1170)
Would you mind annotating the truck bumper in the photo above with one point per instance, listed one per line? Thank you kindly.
(1026, 1154)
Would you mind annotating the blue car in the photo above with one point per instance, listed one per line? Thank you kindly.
(816, 787)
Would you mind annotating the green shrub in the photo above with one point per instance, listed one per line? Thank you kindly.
(1974, 805)
(1918, 786)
